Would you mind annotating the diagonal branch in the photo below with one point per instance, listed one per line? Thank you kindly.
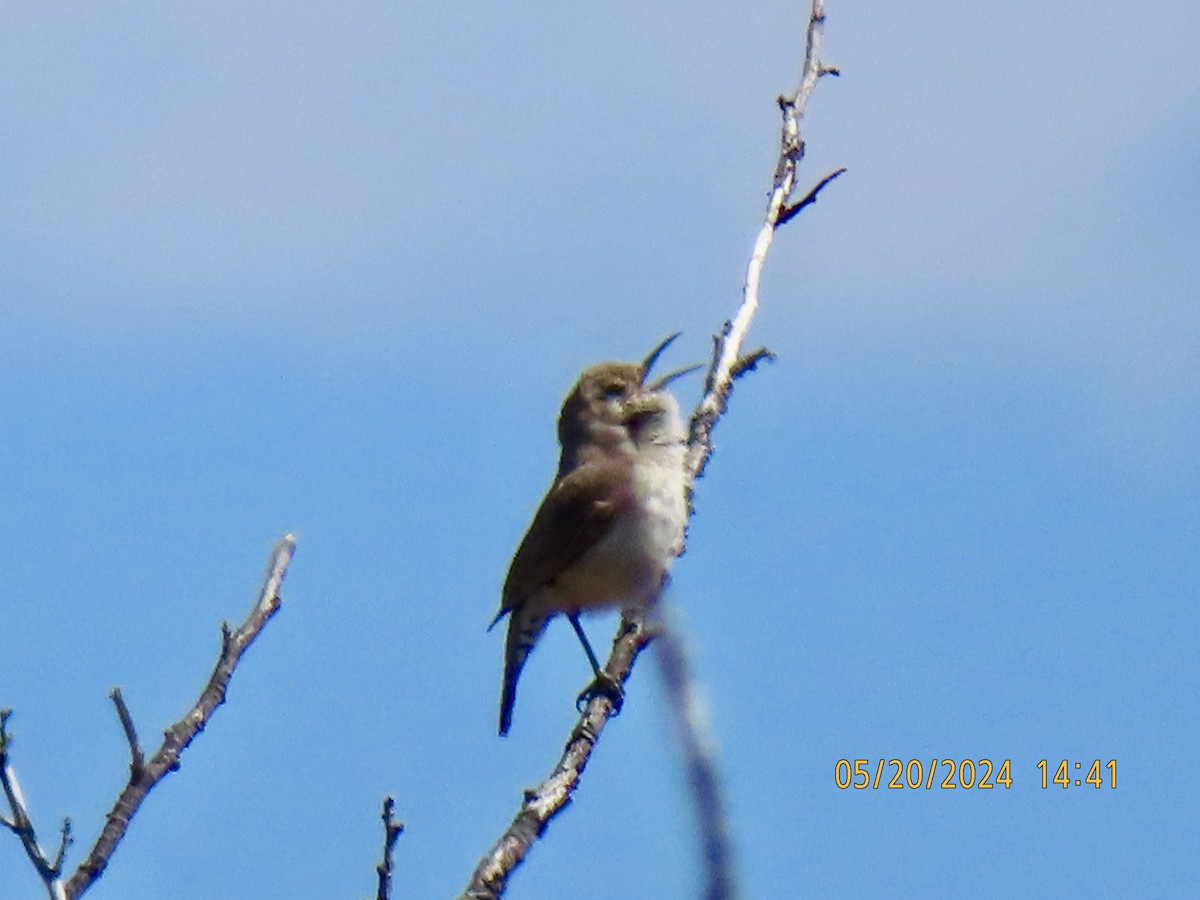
(65, 840)
(728, 364)
(794, 209)
(144, 776)
(550, 797)
(699, 750)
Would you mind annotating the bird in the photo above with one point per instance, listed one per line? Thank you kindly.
(613, 520)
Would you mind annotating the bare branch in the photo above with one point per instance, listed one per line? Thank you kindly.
(144, 777)
(137, 761)
(392, 829)
(700, 762)
(542, 803)
(729, 364)
(551, 796)
(727, 346)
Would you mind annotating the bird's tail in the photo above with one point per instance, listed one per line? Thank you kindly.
(524, 629)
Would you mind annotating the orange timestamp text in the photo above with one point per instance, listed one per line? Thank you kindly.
(966, 774)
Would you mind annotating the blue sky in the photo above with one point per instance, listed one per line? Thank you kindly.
(331, 270)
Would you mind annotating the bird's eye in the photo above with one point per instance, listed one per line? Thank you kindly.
(614, 391)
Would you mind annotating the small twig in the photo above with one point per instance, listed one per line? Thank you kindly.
(137, 761)
(176, 739)
(792, 210)
(392, 829)
(749, 362)
(64, 841)
(21, 825)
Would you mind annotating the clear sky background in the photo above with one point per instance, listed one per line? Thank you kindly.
(331, 269)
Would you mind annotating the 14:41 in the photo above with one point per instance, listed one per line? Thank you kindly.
(1094, 777)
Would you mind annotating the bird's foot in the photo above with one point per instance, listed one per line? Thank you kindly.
(604, 685)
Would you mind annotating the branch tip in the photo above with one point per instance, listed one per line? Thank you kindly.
(750, 361)
(392, 829)
(790, 212)
(137, 760)
(65, 840)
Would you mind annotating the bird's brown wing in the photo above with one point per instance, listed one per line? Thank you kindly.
(577, 512)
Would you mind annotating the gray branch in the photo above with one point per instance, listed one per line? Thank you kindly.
(143, 775)
(550, 797)
(728, 362)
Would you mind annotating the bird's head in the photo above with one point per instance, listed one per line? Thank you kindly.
(611, 405)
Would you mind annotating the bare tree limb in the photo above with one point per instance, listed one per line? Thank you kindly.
(144, 776)
(545, 801)
(392, 829)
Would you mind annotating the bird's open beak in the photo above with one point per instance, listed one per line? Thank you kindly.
(652, 358)
(668, 378)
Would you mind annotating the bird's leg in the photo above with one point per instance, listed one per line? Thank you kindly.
(604, 684)
(587, 647)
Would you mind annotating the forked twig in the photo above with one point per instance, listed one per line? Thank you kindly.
(143, 775)
(20, 823)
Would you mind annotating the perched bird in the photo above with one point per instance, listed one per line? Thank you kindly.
(608, 529)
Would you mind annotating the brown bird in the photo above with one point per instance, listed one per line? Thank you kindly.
(608, 529)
